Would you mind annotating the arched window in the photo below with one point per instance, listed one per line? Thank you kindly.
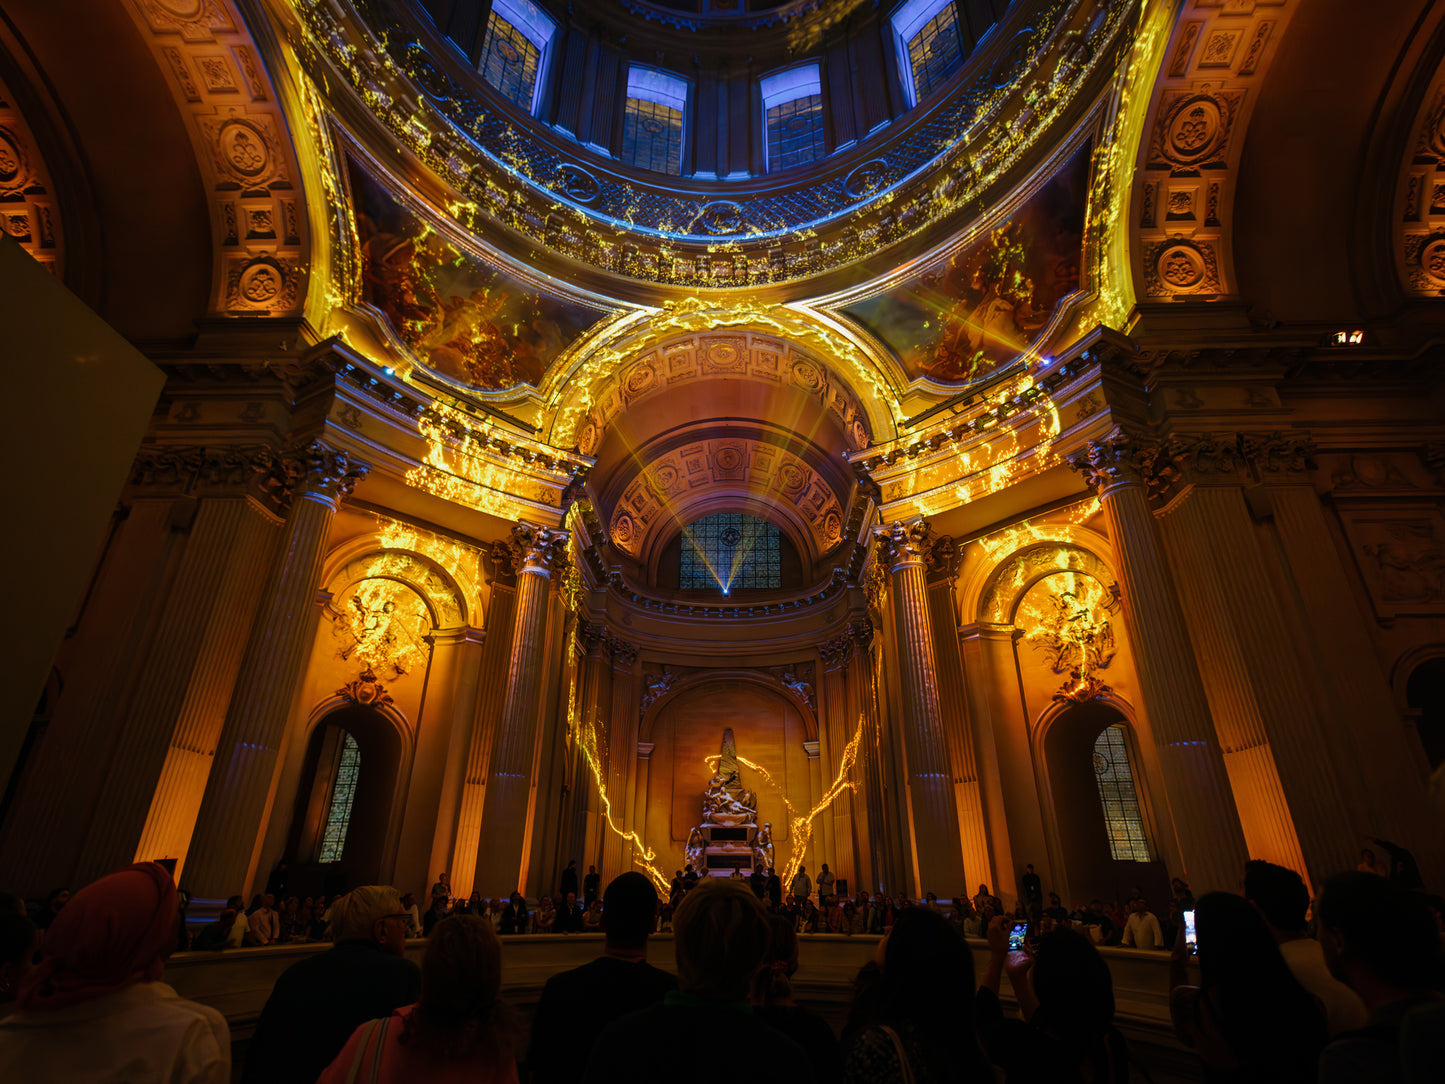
(793, 116)
(1118, 797)
(730, 550)
(514, 54)
(343, 793)
(929, 49)
(652, 120)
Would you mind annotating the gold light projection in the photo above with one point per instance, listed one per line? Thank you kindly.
(1067, 616)
(383, 626)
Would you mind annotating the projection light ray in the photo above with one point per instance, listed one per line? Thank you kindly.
(802, 825)
(643, 855)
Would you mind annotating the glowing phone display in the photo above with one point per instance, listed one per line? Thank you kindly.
(1190, 940)
(1016, 936)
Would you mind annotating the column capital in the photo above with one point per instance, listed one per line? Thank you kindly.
(903, 543)
(538, 550)
(1119, 459)
(591, 637)
(322, 473)
(624, 652)
(837, 653)
(1279, 453)
(861, 630)
(235, 470)
(943, 558)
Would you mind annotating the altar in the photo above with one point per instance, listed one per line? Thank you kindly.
(729, 837)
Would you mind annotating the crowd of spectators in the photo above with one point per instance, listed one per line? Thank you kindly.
(1348, 987)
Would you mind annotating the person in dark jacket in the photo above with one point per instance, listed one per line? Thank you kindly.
(576, 1005)
(318, 1002)
(569, 880)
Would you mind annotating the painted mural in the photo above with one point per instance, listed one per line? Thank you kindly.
(975, 312)
(458, 315)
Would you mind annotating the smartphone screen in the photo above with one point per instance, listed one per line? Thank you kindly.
(1189, 938)
(1020, 929)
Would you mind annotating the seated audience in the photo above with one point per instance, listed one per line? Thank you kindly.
(546, 915)
(912, 1017)
(435, 913)
(318, 1002)
(576, 1005)
(19, 940)
(1066, 998)
(240, 933)
(265, 926)
(772, 998)
(1249, 1018)
(515, 918)
(1282, 899)
(93, 1008)
(721, 934)
(413, 915)
(216, 935)
(458, 1031)
(569, 915)
(1142, 930)
(1380, 940)
(1055, 914)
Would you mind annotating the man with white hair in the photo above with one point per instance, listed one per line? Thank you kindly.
(318, 1002)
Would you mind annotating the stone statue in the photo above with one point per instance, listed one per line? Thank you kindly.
(725, 802)
(763, 847)
(697, 853)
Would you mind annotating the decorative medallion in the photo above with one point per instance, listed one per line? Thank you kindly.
(865, 179)
(622, 530)
(1432, 258)
(728, 459)
(721, 216)
(1181, 267)
(1176, 265)
(807, 375)
(640, 379)
(261, 283)
(244, 148)
(13, 174)
(576, 183)
(1193, 129)
(724, 355)
(366, 690)
(1014, 60)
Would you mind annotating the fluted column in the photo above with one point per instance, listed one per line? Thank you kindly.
(505, 835)
(1291, 803)
(930, 779)
(1017, 775)
(1201, 805)
(491, 692)
(223, 852)
(596, 688)
(617, 741)
(1365, 722)
(943, 562)
(643, 775)
(840, 724)
(167, 736)
(868, 810)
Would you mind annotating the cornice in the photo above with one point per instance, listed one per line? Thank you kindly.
(937, 165)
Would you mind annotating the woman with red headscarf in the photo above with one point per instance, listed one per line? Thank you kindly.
(94, 1009)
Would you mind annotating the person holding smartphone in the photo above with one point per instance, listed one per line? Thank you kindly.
(1066, 1001)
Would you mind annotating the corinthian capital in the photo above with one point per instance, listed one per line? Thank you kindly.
(539, 550)
(903, 544)
(1116, 460)
(320, 472)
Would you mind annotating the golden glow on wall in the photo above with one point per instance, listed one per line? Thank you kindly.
(1067, 616)
(457, 467)
(386, 623)
(802, 824)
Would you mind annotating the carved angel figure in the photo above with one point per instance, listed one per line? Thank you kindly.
(763, 847)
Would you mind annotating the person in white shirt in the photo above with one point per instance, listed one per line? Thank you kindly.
(93, 1009)
(1142, 930)
(237, 937)
(1280, 895)
(265, 923)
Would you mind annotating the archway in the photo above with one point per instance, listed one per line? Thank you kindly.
(1100, 815)
(1425, 703)
(342, 828)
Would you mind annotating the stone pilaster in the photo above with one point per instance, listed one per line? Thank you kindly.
(839, 723)
(1201, 805)
(902, 548)
(617, 741)
(504, 835)
(231, 825)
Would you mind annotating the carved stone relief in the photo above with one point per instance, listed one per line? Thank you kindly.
(1195, 133)
(245, 154)
(656, 495)
(1400, 551)
(755, 357)
(28, 211)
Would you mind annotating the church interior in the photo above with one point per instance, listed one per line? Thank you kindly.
(925, 437)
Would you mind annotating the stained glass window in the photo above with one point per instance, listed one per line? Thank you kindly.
(730, 550)
(343, 793)
(515, 47)
(652, 120)
(793, 109)
(933, 53)
(928, 44)
(1120, 801)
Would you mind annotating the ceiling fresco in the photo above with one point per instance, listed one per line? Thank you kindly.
(972, 314)
(459, 315)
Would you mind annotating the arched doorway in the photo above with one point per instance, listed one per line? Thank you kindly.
(1105, 839)
(342, 828)
(1425, 701)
